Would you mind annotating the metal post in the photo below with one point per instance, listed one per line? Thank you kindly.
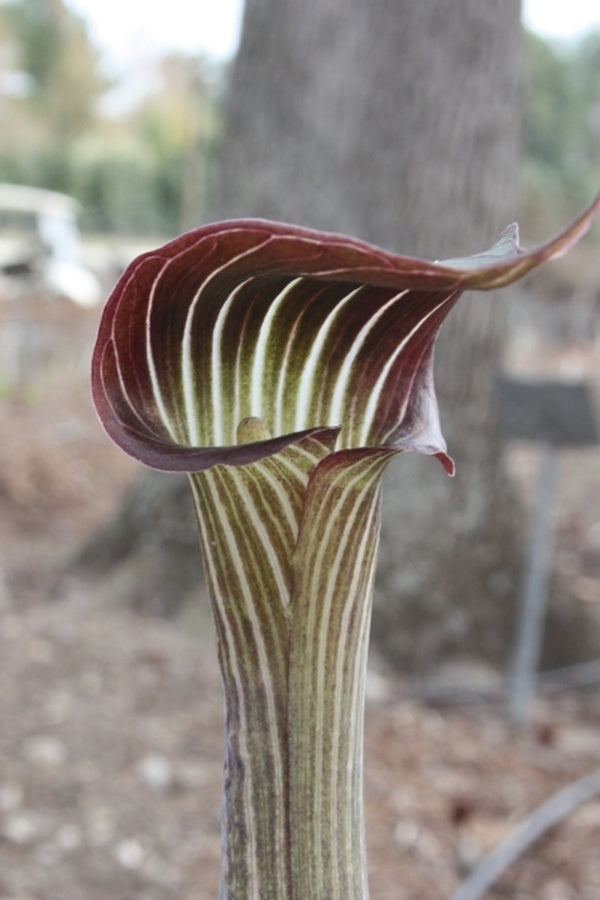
(530, 626)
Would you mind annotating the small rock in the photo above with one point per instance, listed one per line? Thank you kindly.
(21, 828)
(406, 834)
(130, 854)
(155, 771)
(46, 751)
(377, 686)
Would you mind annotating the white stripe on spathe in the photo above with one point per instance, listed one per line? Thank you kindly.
(187, 368)
(218, 401)
(257, 387)
(339, 396)
(306, 388)
(156, 390)
(370, 410)
(255, 522)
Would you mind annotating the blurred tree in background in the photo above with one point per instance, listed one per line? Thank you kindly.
(138, 170)
(145, 171)
(561, 165)
(403, 130)
(146, 168)
(63, 65)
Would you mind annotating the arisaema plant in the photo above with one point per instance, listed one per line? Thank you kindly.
(282, 368)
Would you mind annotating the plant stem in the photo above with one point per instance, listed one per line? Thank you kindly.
(330, 633)
(293, 670)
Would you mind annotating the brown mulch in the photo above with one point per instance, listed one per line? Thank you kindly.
(110, 777)
(111, 723)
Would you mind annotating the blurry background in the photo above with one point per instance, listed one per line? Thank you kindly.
(426, 129)
(124, 113)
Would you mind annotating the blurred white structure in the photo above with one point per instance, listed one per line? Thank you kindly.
(39, 247)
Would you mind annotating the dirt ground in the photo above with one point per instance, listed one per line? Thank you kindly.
(111, 723)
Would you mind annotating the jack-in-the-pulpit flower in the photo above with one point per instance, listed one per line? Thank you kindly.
(282, 368)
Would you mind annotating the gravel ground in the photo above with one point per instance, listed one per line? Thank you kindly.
(110, 774)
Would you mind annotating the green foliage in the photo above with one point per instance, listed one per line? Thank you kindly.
(55, 51)
(562, 124)
(142, 171)
(122, 189)
(37, 27)
(147, 170)
(46, 167)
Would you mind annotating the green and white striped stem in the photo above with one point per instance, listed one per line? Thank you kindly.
(292, 607)
(335, 564)
(281, 368)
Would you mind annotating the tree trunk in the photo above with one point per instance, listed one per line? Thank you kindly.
(398, 122)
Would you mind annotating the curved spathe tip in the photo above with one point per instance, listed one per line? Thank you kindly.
(311, 332)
